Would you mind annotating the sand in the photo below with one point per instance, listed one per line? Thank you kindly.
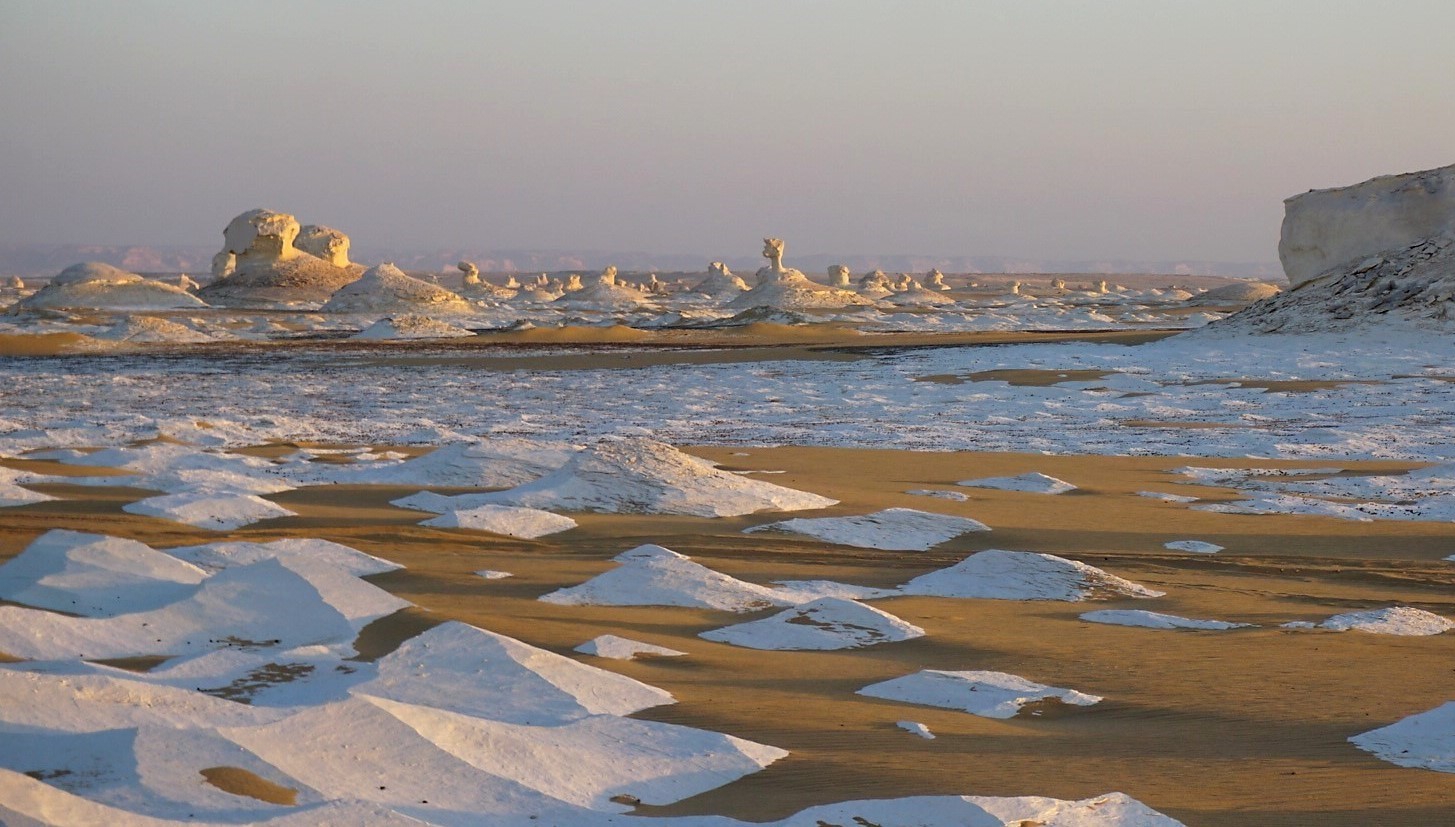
(1235, 727)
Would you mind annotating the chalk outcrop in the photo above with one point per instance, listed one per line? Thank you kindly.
(269, 269)
(96, 286)
(387, 289)
(839, 276)
(604, 293)
(1329, 229)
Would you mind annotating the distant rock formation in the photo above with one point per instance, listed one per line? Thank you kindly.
(784, 288)
(875, 285)
(96, 286)
(603, 294)
(839, 276)
(720, 282)
(935, 280)
(472, 273)
(269, 269)
(1335, 228)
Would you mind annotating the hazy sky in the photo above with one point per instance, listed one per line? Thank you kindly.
(1148, 129)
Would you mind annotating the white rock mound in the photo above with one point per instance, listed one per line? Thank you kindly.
(651, 575)
(1394, 620)
(620, 648)
(720, 282)
(387, 289)
(643, 476)
(603, 293)
(1156, 620)
(93, 285)
(1034, 482)
(1425, 741)
(1333, 228)
(93, 575)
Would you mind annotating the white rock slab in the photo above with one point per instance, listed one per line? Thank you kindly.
(1194, 546)
(987, 694)
(643, 476)
(916, 728)
(651, 575)
(261, 605)
(1109, 810)
(1394, 620)
(1167, 498)
(493, 574)
(512, 521)
(218, 556)
(95, 576)
(893, 529)
(12, 494)
(824, 624)
(1156, 620)
(955, 496)
(215, 511)
(1426, 740)
(587, 762)
(460, 668)
(1022, 575)
(91, 702)
(1034, 482)
(620, 648)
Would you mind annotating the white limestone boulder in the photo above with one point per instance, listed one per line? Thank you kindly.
(93, 285)
(387, 289)
(269, 270)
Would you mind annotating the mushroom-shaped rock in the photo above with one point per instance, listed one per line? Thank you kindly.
(472, 273)
(96, 286)
(387, 289)
(326, 243)
(270, 270)
(916, 295)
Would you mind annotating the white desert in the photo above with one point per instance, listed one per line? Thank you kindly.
(329, 542)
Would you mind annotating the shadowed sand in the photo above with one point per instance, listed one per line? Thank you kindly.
(1214, 728)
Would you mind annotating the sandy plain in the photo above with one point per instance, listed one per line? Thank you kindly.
(1215, 728)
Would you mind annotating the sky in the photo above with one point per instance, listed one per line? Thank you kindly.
(1103, 129)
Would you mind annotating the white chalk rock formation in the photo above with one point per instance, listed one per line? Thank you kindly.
(15, 283)
(720, 282)
(151, 330)
(783, 288)
(1329, 229)
(270, 270)
(839, 276)
(644, 476)
(96, 286)
(223, 265)
(935, 280)
(387, 289)
(328, 244)
(472, 273)
(1425, 741)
